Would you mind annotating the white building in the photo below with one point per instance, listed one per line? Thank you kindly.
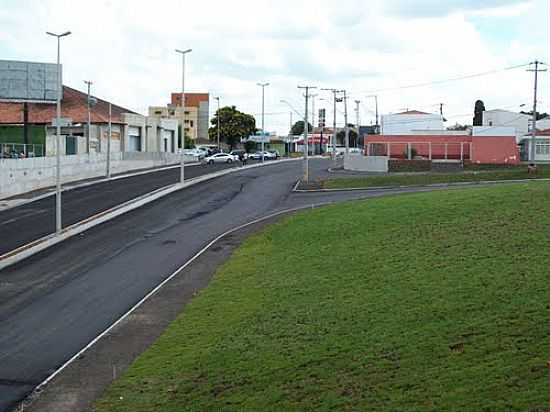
(410, 122)
(504, 118)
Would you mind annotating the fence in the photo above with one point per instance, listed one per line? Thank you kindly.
(20, 150)
(421, 150)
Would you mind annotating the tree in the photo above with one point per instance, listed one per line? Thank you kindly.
(249, 146)
(298, 128)
(341, 136)
(458, 126)
(478, 113)
(234, 125)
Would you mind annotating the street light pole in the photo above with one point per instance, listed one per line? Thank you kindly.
(263, 85)
(89, 83)
(218, 117)
(58, 223)
(182, 159)
(109, 136)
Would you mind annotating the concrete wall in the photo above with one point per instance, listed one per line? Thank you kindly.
(362, 163)
(23, 175)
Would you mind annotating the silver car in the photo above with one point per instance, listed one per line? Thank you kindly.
(220, 158)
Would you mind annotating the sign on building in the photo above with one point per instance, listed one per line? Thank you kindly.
(63, 122)
(28, 81)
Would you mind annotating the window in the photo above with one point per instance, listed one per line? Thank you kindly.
(191, 123)
(543, 149)
(158, 112)
(186, 121)
(186, 112)
(490, 122)
(172, 112)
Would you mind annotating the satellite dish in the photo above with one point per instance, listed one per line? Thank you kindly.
(92, 101)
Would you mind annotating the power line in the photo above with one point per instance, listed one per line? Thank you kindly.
(452, 79)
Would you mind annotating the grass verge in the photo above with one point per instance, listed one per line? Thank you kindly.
(511, 173)
(424, 302)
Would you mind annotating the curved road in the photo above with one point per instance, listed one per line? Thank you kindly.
(54, 303)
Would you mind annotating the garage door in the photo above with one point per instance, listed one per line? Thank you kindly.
(134, 139)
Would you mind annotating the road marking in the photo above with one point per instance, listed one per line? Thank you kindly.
(36, 392)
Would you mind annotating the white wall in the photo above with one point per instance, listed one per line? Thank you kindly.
(504, 118)
(406, 124)
(362, 163)
(493, 131)
(24, 175)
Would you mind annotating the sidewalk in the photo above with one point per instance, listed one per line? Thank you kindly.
(28, 197)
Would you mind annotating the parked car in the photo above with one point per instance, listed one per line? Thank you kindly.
(199, 154)
(239, 154)
(258, 156)
(275, 153)
(220, 158)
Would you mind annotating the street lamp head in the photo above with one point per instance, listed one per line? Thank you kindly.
(184, 51)
(58, 35)
(262, 84)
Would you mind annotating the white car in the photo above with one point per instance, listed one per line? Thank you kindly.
(199, 154)
(221, 158)
(258, 156)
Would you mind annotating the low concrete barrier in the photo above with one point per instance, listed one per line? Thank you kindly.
(25, 175)
(360, 163)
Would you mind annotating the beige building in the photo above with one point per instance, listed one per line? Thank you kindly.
(196, 118)
(176, 113)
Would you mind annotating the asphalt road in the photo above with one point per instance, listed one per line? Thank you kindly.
(54, 303)
(23, 224)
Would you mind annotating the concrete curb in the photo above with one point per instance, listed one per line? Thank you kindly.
(68, 186)
(434, 185)
(38, 245)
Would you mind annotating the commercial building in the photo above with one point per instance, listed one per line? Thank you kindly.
(196, 116)
(130, 131)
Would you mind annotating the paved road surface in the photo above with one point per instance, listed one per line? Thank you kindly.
(23, 224)
(54, 303)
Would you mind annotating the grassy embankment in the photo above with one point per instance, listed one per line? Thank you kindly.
(474, 175)
(425, 302)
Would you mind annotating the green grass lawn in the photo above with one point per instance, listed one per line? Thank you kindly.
(511, 173)
(427, 302)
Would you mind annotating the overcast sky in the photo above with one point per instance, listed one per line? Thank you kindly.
(127, 49)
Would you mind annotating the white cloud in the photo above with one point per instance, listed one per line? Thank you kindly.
(127, 49)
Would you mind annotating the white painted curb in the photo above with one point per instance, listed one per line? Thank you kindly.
(39, 388)
(45, 242)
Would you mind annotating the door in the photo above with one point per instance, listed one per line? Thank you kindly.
(70, 145)
(134, 139)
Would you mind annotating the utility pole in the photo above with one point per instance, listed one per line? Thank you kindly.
(263, 85)
(333, 153)
(182, 158)
(289, 134)
(306, 121)
(58, 224)
(218, 117)
(109, 144)
(346, 122)
(313, 96)
(357, 102)
(532, 157)
(88, 83)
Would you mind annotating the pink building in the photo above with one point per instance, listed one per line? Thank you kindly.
(477, 149)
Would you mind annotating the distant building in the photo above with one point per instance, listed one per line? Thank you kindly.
(504, 118)
(542, 150)
(410, 122)
(196, 116)
(130, 131)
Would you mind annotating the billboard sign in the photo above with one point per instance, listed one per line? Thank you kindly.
(28, 81)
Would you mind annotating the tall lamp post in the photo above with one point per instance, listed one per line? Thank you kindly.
(218, 117)
(182, 159)
(263, 85)
(58, 224)
(88, 137)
